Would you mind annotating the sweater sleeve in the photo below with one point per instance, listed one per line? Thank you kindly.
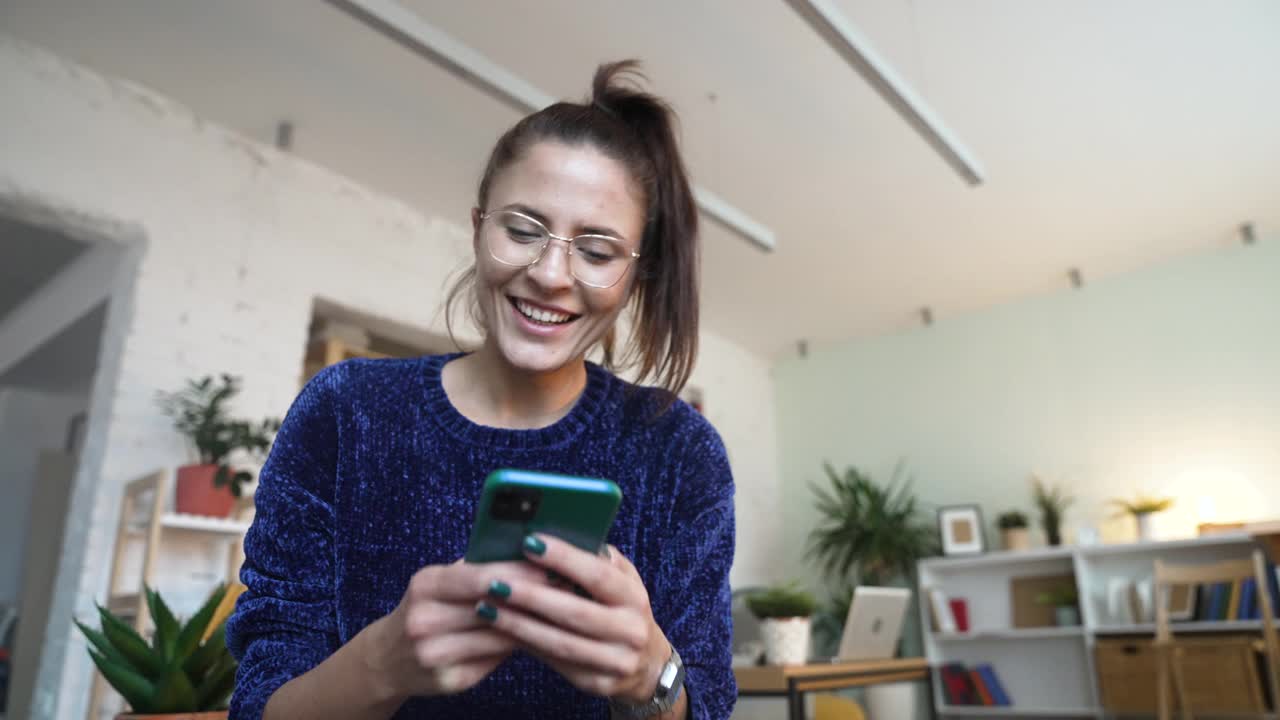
(692, 605)
(284, 623)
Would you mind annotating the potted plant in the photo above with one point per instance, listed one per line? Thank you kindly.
(1052, 503)
(184, 673)
(1013, 530)
(1065, 603)
(784, 612)
(870, 534)
(1142, 508)
(199, 411)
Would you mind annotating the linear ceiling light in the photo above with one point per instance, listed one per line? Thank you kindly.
(409, 29)
(850, 44)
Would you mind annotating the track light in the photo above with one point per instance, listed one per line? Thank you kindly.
(856, 50)
(422, 38)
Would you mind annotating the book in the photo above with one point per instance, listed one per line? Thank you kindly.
(1273, 579)
(942, 611)
(980, 687)
(1218, 602)
(960, 612)
(1248, 598)
(956, 685)
(1233, 601)
(998, 695)
(1204, 593)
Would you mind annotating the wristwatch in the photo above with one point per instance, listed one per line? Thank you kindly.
(670, 685)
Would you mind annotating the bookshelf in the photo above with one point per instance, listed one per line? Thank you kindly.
(1050, 671)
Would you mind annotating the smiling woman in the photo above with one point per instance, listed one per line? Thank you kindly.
(359, 602)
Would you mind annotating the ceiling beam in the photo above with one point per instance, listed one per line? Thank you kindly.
(857, 51)
(426, 40)
(78, 288)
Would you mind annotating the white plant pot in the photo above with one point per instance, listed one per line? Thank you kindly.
(1144, 525)
(893, 701)
(786, 640)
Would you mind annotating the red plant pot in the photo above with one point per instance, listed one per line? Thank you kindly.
(197, 495)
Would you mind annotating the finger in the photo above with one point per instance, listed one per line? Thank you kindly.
(622, 562)
(584, 678)
(463, 647)
(588, 618)
(592, 573)
(464, 582)
(428, 619)
(456, 678)
(554, 642)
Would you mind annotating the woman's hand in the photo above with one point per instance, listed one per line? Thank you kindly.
(608, 644)
(434, 643)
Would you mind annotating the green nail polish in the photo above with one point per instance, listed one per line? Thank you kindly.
(499, 589)
(534, 545)
(487, 611)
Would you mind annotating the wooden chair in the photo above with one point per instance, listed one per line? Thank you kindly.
(1168, 652)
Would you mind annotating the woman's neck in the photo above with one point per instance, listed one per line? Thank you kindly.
(487, 390)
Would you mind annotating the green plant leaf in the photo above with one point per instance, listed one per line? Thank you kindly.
(166, 637)
(104, 646)
(781, 601)
(174, 694)
(135, 689)
(874, 529)
(189, 637)
(207, 654)
(125, 639)
(218, 685)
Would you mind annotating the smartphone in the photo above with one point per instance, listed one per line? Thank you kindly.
(516, 503)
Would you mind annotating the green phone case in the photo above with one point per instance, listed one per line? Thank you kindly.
(578, 510)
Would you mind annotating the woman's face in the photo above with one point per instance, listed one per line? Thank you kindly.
(539, 317)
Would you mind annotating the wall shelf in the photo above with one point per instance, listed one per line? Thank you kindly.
(1015, 711)
(1207, 626)
(1013, 634)
(1023, 658)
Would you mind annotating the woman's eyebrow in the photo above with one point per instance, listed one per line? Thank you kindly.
(583, 230)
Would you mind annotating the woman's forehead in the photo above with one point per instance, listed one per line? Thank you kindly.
(573, 185)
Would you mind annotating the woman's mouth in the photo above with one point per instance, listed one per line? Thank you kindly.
(540, 315)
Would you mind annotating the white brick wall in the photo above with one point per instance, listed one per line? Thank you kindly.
(238, 240)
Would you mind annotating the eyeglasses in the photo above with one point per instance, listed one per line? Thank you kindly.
(513, 238)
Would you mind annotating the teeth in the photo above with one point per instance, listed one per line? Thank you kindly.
(541, 315)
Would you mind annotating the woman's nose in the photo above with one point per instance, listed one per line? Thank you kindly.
(552, 269)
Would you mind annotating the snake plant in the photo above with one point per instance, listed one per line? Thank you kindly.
(183, 669)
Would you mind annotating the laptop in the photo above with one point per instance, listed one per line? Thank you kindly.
(874, 624)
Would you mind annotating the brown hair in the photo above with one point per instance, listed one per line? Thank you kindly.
(636, 129)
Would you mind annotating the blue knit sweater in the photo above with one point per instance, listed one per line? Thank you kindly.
(375, 474)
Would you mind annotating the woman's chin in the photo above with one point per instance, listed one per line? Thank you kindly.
(534, 358)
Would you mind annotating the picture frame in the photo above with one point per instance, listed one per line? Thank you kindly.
(961, 530)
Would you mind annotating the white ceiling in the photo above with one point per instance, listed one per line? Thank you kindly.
(1114, 133)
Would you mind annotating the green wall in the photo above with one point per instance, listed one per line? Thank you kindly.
(1165, 380)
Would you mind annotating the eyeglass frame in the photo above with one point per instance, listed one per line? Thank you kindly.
(568, 241)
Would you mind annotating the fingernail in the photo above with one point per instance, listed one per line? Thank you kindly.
(534, 545)
(486, 611)
(499, 589)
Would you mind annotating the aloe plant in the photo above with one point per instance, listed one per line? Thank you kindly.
(176, 672)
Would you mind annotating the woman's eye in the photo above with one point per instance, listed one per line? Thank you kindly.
(598, 251)
(520, 234)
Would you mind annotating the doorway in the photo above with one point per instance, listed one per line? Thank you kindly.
(60, 293)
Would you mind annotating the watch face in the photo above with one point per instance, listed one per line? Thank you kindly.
(668, 678)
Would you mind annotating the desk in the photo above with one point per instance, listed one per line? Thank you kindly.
(793, 681)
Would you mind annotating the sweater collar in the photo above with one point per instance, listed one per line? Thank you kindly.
(564, 430)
